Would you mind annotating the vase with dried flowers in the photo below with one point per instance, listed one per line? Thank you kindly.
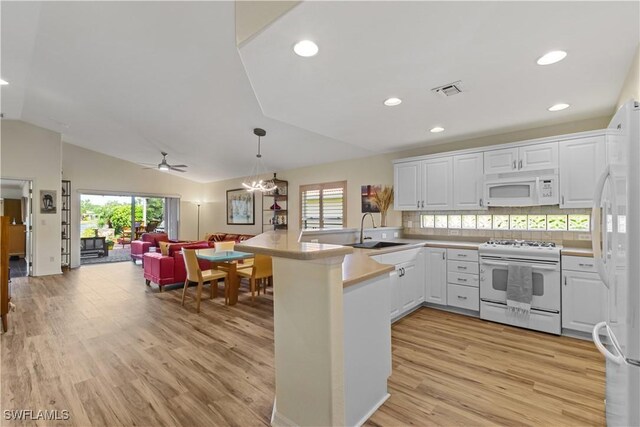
(383, 199)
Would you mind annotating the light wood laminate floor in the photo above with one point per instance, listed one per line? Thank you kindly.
(99, 343)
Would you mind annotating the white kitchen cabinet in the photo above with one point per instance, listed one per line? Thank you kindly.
(584, 300)
(406, 289)
(435, 277)
(437, 182)
(501, 161)
(407, 178)
(538, 157)
(582, 161)
(584, 296)
(468, 173)
(522, 159)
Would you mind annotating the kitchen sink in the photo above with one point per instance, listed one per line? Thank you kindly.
(376, 245)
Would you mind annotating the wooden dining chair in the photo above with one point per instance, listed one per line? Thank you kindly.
(195, 274)
(260, 273)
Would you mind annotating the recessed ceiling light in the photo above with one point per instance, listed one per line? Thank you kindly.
(3, 82)
(392, 102)
(558, 107)
(305, 48)
(552, 57)
(437, 129)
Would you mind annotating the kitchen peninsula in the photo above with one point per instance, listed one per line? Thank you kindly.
(332, 330)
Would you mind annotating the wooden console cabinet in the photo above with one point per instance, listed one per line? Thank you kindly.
(4, 270)
(17, 239)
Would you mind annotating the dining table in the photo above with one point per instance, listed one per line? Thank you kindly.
(226, 259)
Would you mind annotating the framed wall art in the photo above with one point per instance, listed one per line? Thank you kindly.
(240, 207)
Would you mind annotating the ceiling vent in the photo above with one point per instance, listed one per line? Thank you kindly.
(449, 89)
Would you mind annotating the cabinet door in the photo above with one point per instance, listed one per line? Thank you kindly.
(407, 186)
(409, 286)
(437, 177)
(435, 276)
(500, 161)
(538, 156)
(581, 163)
(394, 294)
(468, 172)
(584, 301)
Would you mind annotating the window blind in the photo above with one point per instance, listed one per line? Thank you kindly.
(323, 205)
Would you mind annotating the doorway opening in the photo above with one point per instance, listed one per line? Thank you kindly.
(109, 223)
(16, 203)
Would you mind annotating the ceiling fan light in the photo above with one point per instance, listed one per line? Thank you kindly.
(163, 167)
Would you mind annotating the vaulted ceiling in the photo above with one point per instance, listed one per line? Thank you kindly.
(129, 79)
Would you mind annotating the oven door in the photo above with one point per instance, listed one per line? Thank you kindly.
(511, 192)
(546, 282)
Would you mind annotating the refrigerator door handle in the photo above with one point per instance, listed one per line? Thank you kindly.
(618, 359)
(596, 225)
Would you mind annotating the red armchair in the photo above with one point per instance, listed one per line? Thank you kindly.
(169, 269)
(147, 240)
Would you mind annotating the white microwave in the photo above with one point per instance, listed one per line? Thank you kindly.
(522, 191)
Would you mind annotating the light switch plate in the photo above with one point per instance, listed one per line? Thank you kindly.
(410, 224)
(395, 234)
(584, 236)
(384, 235)
(454, 232)
(314, 240)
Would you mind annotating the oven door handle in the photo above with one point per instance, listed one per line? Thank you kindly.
(533, 265)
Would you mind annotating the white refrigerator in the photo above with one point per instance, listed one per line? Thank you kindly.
(616, 247)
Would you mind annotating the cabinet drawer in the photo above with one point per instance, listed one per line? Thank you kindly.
(463, 279)
(462, 255)
(463, 297)
(578, 263)
(462, 267)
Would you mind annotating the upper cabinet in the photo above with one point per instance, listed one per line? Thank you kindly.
(522, 159)
(582, 161)
(467, 181)
(437, 183)
(407, 179)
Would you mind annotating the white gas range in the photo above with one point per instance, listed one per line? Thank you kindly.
(544, 259)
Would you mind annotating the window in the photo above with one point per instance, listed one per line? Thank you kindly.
(323, 205)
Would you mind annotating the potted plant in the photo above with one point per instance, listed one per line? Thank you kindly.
(110, 243)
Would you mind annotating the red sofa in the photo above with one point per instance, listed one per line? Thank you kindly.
(147, 240)
(226, 237)
(169, 269)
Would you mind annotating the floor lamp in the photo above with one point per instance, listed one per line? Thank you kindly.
(198, 236)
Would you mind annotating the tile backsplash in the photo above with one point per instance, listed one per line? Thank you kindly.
(414, 219)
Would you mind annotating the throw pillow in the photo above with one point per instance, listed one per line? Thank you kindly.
(164, 248)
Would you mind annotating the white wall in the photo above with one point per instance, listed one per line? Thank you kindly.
(370, 170)
(90, 171)
(631, 86)
(33, 153)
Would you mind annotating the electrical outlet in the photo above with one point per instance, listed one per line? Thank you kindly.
(314, 240)
(584, 236)
(384, 235)
(454, 232)
(43, 222)
(410, 224)
(395, 234)
(51, 259)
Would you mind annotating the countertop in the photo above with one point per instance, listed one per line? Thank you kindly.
(585, 252)
(284, 244)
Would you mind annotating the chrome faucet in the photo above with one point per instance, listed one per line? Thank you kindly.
(362, 238)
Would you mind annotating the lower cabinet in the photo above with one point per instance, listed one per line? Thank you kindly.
(435, 275)
(462, 296)
(584, 296)
(406, 290)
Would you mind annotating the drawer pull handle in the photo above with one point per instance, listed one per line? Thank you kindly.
(461, 297)
(463, 255)
(582, 264)
(460, 279)
(462, 267)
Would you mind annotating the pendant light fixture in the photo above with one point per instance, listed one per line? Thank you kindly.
(255, 182)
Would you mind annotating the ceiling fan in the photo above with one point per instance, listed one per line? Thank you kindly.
(164, 166)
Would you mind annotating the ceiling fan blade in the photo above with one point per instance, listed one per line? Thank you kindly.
(175, 169)
(179, 166)
(149, 164)
(155, 167)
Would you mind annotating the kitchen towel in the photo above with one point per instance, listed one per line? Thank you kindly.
(519, 289)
